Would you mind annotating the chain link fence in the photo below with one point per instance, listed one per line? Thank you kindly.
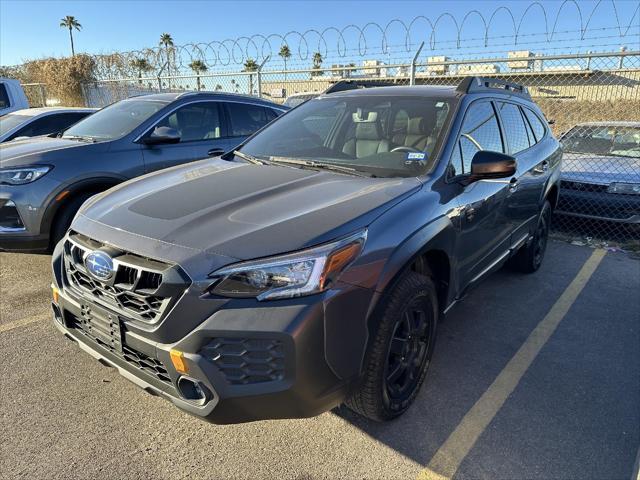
(591, 100)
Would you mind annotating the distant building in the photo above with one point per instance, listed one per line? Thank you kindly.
(521, 64)
(374, 72)
(478, 68)
(437, 69)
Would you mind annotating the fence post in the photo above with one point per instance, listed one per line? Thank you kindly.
(43, 96)
(259, 75)
(83, 87)
(412, 78)
(159, 74)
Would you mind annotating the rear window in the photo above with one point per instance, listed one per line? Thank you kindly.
(10, 121)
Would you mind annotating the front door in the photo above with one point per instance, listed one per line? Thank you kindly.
(202, 134)
(485, 231)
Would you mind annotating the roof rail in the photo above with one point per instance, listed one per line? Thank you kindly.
(483, 84)
(344, 85)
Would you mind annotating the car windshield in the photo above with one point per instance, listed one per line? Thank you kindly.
(295, 100)
(116, 120)
(383, 136)
(11, 121)
(603, 140)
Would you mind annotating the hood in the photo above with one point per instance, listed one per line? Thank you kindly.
(235, 210)
(599, 169)
(41, 150)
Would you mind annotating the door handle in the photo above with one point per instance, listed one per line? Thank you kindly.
(513, 184)
(215, 151)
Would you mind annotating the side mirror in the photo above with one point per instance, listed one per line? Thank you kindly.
(486, 165)
(162, 136)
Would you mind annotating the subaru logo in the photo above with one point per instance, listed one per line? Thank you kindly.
(99, 265)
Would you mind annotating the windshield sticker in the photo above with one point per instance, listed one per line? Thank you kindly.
(416, 156)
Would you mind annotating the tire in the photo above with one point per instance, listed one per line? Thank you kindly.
(406, 330)
(63, 218)
(530, 256)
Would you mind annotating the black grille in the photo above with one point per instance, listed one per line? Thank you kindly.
(246, 361)
(584, 187)
(138, 359)
(141, 288)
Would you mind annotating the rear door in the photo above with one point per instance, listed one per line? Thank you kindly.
(202, 133)
(523, 201)
(485, 233)
(245, 119)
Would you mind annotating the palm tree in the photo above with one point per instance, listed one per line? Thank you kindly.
(166, 41)
(70, 22)
(250, 65)
(317, 62)
(198, 66)
(285, 53)
(142, 66)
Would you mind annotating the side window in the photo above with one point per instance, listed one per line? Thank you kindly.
(532, 137)
(536, 123)
(514, 127)
(480, 131)
(195, 122)
(246, 118)
(4, 97)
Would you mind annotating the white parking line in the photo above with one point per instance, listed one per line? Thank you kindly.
(453, 451)
(23, 321)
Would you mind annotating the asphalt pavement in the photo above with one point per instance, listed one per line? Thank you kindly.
(534, 376)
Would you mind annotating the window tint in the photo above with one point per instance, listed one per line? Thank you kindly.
(480, 131)
(4, 97)
(195, 122)
(514, 127)
(246, 119)
(536, 124)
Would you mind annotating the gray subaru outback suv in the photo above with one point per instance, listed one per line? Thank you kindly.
(310, 266)
(43, 181)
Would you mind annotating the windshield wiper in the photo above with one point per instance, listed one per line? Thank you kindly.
(80, 137)
(317, 165)
(249, 158)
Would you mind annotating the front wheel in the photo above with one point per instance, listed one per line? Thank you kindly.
(400, 355)
(529, 258)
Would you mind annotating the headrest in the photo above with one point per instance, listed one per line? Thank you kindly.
(416, 126)
(367, 131)
(364, 117)
(188, 118)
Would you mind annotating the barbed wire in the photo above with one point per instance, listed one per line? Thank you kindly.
(353, 41)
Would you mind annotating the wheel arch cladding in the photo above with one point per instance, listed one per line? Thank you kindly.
(55, 208)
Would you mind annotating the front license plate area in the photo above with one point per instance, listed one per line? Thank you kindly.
(102, 325)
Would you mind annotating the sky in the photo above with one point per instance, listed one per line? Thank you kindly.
(30, 29)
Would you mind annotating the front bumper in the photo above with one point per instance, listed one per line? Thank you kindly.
(254, 360)
(598, 204)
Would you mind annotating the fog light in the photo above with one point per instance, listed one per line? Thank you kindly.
(55, 293)
(177, 358)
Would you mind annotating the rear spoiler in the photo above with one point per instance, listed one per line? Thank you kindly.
(487, 84)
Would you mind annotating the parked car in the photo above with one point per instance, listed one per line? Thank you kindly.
(12, 96)
(33, 122)
(45, 180)
(296, 99)
(601, 172)
(310, 266)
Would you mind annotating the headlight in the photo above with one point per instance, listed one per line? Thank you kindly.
(628, 188)
(293, 275)
(22, 175)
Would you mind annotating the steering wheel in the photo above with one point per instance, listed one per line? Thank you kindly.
(406, 149)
